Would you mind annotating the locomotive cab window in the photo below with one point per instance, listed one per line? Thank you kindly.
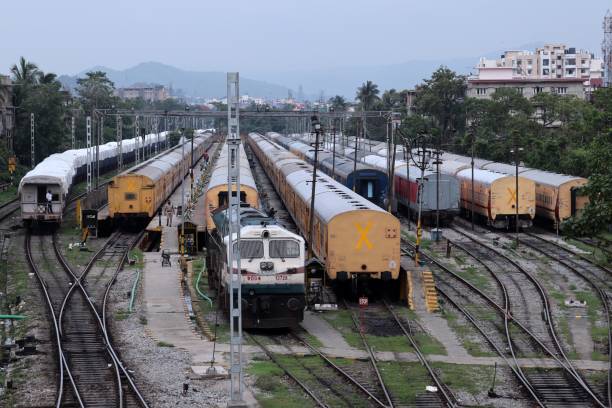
(130, 196)
(250, 249)
(284, 248)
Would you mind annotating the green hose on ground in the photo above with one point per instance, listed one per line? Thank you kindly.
(197, 285)
(13, 317)
(133, 294)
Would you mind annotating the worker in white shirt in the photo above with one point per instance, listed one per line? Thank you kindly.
(49, 197)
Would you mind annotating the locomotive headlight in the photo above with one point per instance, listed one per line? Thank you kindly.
(265, 234)
(266, 266)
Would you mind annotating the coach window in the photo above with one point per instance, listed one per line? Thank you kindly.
(284, 248)
(250, 249)
(130, 196)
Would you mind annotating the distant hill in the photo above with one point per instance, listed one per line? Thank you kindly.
(192, 83)
(276, 84)
(345, 80)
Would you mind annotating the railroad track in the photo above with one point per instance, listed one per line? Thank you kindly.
(90, 371)
(328, 383)
(524, 302)
(373, 318)
(597, 276)
(9, 208)
(268, 194)
(561, 389)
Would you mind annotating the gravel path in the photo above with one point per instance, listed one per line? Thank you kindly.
(159, 371)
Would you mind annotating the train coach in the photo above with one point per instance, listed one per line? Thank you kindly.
(437, 191)
(59, 172)
(357, 241)
(558, 196)
(494, 195)
(367, 181)
(216, 190)
(271, 269)
(137, 193)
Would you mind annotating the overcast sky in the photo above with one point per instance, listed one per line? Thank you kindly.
(67, 36)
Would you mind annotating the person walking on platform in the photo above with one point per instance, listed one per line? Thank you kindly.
(169, 213)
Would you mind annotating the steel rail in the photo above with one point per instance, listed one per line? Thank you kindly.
(339, 369)
(101, 324)
(448, 396)
(272, 357)
(501, 310)
(567, 364)
(63, 364)
(515, 369)
(372, 357)
(602, 296)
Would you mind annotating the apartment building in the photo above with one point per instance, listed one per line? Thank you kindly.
(6, 105)
(553, 68)
(148, 93)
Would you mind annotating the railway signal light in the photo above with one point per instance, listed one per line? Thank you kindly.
(12, 164)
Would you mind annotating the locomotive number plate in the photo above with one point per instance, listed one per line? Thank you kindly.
(281, 277)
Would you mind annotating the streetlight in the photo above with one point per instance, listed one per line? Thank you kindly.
(316, 127)
(516, 151)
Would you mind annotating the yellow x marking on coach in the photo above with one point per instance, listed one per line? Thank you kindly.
(512, 196)
(363, 235)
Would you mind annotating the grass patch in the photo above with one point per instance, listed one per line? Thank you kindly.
(138, 255)
(404, 380)
(342, 321)
(276, 389)
(408, 380)
(475, 277)
(465, 334)
(164, 344)
(429, 344)
(121, 314)
(8, 195)
(473, 379)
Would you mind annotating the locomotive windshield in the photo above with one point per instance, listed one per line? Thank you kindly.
(284, 248)
(250, 249)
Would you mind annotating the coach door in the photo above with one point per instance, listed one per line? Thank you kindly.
(41, 194)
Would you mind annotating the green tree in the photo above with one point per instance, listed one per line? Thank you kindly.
(440, 98)
(25, 76)
(96, 91)
(38, 93)
(338, 103)
(367, 95)
(597, 215)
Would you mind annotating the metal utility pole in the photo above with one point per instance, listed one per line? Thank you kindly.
(407, 160)
(233, 211)
(72, 133)
(419, 231)
(119, 143)
(606, 47)
(88, 141)
(334, 151)
(516, 177)
(472, 164)
(101, 130)
(32, 145)
(156, 124)
(437, 163)
(136, 138)
(316, 127)
(182, 240)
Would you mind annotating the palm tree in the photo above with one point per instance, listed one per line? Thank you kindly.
(26, 73)
(338, 103)
(46, 78)
(367, 94)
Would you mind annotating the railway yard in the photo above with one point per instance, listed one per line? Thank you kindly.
(474, 319)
